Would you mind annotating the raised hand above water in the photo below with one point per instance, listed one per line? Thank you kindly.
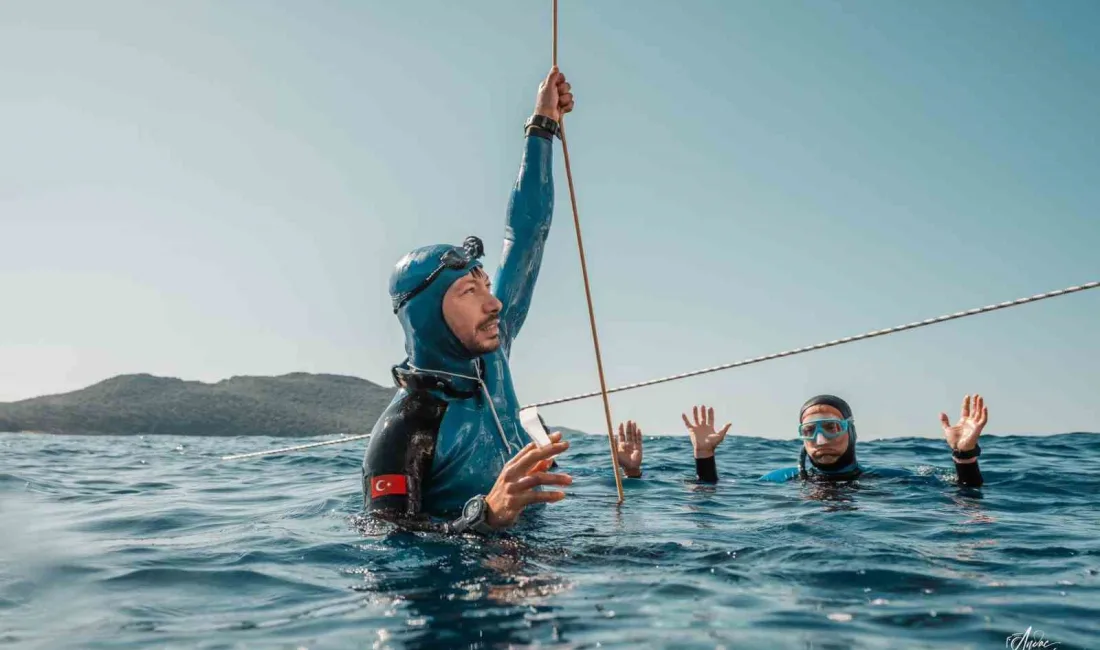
(704, 439)
(628, 449)
(963, 435)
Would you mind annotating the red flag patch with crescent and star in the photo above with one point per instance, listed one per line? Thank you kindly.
(387, 484)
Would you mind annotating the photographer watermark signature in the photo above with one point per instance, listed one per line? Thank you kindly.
(1029, 640)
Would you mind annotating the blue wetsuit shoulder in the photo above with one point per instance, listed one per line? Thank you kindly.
(788, 473)
(886, 472)
(780, 475)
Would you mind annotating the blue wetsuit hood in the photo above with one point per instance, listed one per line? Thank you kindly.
(429, 342)
(847, 463)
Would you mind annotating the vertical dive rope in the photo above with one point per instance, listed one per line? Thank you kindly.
(587, 289)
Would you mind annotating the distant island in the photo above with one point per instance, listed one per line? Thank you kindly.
(297, 404)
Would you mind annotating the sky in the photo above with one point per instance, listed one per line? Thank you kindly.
(209, 189)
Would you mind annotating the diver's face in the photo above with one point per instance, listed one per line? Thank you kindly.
(821, 449)
(473, 312)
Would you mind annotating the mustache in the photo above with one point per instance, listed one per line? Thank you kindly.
(489, 322)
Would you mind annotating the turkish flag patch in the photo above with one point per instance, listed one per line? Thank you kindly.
(387, 484)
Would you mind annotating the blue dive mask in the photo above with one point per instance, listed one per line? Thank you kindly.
(830, 428)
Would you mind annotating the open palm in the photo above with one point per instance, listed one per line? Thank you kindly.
(963, 435)
(628, 449)
(704, 438)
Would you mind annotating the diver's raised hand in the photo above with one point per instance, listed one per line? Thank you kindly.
(628, 449)
(704, 439)
(516, 487)
(555, 97)
(964, 435)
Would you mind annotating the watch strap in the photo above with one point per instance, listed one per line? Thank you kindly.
(482, 528)
(542, 126)
(965, 455)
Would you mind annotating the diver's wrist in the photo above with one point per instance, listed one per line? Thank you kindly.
(706, 469)
(475, 518)
(542, 125)
(963, 443)
(492, 519)
(701, 454)
(966, 456)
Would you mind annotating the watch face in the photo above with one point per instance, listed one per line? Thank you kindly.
(473, 509)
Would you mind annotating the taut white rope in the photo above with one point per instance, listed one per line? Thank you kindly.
(829, 344)
(269, 452)
(746, 362)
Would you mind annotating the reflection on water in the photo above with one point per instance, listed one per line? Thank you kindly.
(834, 497)
(465, 590)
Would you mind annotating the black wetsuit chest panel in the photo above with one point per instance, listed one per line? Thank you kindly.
(403, 445)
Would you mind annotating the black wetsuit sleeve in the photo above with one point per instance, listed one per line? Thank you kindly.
(706, 470)
(969, 474)
(398, 464)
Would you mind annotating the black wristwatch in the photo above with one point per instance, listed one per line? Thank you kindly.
(542, 126)
(474, 514)
(965, 455)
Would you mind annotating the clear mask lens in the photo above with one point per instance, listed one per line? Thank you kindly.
(831, 428)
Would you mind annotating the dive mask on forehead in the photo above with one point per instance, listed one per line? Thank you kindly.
(455, 259)
(830, 428)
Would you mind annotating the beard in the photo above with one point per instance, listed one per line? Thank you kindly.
(486, 337)
(484, 345)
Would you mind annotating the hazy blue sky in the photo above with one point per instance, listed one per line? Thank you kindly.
(208, 189)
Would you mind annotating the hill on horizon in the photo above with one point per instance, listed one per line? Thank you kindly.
(295, 404)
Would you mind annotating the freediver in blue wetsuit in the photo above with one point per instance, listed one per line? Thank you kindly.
(451, 439)
(828, 433)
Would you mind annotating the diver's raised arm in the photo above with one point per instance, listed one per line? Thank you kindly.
(963, 439)
(531, 207)
(704, 440)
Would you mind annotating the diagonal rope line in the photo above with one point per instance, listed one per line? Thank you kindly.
(746, 362)
(270, 452)
(829, 344)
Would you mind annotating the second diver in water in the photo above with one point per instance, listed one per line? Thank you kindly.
(828, 433)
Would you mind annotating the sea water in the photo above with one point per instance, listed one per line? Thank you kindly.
(153, 542)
